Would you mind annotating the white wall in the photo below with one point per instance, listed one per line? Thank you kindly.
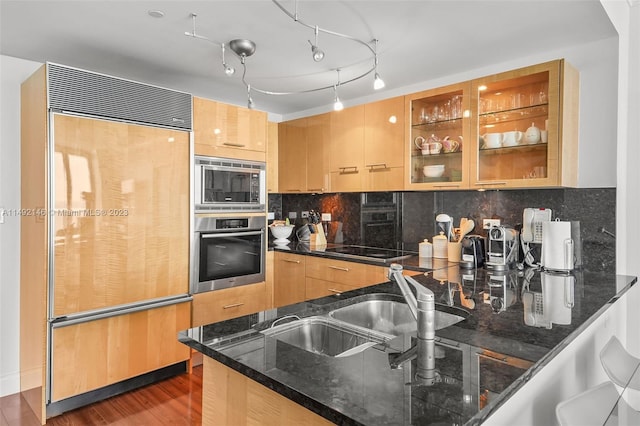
(12, 73)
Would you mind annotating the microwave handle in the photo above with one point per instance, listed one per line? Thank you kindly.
(232, 234)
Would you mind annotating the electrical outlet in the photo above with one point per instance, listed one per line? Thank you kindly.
(293, 215)
(490, 223)
(304, 214)
(326, 217)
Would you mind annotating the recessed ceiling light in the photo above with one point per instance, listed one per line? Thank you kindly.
(156, 13)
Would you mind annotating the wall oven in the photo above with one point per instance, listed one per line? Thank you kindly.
(229, 185)
(227, 252)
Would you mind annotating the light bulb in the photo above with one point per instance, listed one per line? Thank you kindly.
(337, 105)
(318, 54)
(228, 70)
(378, 83)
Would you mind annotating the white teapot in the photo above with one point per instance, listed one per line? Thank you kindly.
(532, 135)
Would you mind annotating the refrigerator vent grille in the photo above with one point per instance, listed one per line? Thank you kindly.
(85, 92)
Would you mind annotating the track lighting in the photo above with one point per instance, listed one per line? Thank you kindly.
(318, 54)
(337, 104)
(227, 69)
(244, 48)
(378, 83)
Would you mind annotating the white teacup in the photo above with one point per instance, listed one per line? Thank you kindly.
(492, 140)
(512, 138)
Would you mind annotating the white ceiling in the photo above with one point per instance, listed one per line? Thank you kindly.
(418, 41)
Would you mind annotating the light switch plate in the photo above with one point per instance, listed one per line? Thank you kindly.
(293, 215)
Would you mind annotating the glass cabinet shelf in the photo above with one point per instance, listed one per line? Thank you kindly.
(516, 114)
(513, 149)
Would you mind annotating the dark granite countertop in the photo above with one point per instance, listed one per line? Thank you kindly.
(517, 321)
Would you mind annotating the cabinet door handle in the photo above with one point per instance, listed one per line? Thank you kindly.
(316, 189)
(333, 290)
(238, 145)
(290, 261)
(349, 169)
(293, 190)
(233, 305)
(380, 166)
(491, 183)
(339, 268)
(447, 185)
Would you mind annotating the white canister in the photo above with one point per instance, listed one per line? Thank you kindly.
(440, 246)
(425, 249)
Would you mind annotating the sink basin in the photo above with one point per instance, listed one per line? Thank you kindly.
(391, 317)
(324, 336)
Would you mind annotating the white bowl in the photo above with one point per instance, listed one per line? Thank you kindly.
(281, 233)
(433, 171)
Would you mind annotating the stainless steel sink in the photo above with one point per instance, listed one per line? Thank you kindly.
(391, 317)
(324, 336)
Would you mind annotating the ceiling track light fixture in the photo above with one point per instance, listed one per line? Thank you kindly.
(244, 48)
(318, 54)
(337, 104)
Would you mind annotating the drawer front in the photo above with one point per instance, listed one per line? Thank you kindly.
(320, 288)
(219, 305)
(352, 274)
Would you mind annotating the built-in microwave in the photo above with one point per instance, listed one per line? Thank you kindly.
(229, 185)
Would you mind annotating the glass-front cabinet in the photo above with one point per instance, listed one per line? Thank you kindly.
(439, 123)
(516, 129)
(525, 128)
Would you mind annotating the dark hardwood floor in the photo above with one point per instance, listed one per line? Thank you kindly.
(174, 401)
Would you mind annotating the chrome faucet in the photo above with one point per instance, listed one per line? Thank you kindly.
(423, 309)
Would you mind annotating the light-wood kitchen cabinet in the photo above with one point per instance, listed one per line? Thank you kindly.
(272, 158)
(326, 276)
(289, 285)
(220, 305)
(222, 130)
(516, 129)
(384, 126)
(526, 128)
(94, 354)
(439, 132)
(347, 149)
(303, 155)
(229, 398)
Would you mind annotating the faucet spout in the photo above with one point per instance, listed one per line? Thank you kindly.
(422, 307)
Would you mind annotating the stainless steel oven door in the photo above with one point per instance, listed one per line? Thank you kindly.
(228, 257)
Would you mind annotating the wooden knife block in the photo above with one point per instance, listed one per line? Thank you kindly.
(318, 238)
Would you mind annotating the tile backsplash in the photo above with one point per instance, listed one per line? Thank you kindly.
(413, 215)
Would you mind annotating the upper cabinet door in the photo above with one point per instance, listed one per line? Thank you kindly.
(438, 144)
(526, 128)
(223, 130)
(384, 145)
(347, 149)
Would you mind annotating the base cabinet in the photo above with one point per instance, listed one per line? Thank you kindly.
(229, 398)
(290, 272)
(98, 353)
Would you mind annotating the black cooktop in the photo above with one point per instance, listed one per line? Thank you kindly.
(369, 253)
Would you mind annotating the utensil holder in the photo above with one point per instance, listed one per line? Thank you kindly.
(318, 238)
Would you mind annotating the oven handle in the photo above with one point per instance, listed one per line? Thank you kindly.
(233, 234)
